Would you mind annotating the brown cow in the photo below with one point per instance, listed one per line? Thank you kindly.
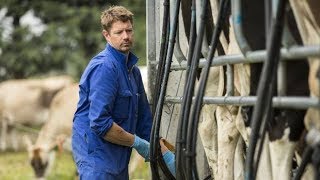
(55, 130)
(26, 102)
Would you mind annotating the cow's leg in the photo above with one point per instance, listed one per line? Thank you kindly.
(12, 132)
(264, 168)
(239, 160)
(312, 117)
(308, 20)
(208, 125)
(281, 152)
(228, 136)
(4, 130)
(208, 134)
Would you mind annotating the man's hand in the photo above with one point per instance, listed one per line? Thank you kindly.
(168, 157)
(142, 146)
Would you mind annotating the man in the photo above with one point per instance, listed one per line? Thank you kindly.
(113, 114)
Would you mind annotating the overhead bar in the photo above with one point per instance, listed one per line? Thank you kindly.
(292, 53)
(293, 102)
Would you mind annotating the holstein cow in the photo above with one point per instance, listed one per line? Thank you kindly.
(308, 19)
(26, 103)
(221, 126)
(58, 129)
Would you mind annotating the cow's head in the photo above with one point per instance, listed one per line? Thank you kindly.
(41, 157)
(39, 162)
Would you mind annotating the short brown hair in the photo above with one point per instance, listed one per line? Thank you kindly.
(113, 14)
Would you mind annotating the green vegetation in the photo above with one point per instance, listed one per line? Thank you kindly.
(15, 166)
(71, 38)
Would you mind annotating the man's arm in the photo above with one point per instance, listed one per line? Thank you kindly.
(118, 135)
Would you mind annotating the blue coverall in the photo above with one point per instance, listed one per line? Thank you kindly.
(111, 90)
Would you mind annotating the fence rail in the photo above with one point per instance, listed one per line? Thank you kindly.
(278, 102)
(293, 53)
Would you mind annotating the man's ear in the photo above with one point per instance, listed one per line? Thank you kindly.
(105, 34)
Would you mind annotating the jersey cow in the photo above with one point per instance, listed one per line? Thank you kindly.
(54, 132)
(26, 103)
(225, 129)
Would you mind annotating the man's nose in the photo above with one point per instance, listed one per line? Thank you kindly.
(125, 35)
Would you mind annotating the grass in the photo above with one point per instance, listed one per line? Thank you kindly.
(15, 166)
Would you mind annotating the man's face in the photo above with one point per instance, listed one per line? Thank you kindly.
(120, 36)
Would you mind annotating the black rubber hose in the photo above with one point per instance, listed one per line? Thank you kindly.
(306, 158)
(263, 132)
(154, 144)
(191, 169)
(163, 51)
(180, 141)
(316, 161)
(162, 55)
(188, 93)
(263, 95)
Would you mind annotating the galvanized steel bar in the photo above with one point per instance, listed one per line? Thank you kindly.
(277, 102)
(292, 53)
(151, 47)
(230, 80)
(282, 76)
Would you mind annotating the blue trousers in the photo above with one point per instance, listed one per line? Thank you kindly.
(85, 163)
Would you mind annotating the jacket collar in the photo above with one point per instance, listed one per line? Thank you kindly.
(122, 57)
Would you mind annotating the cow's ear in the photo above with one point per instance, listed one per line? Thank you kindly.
(47, 96)
(27, 142)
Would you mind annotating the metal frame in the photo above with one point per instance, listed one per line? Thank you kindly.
(295, 102)
(293, 53)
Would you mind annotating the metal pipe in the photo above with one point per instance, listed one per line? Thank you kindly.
(281, 78)
(151, 47)
(294, 102)
(293, 53)
(205, 46)
(177, 48)
(230, 79)
(237, 25)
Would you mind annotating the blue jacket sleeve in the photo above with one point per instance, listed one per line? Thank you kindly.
(144, 123)
(103, 88)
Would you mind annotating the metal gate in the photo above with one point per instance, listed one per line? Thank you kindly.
(169, 57)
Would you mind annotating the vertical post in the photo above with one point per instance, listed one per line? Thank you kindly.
(151, 47)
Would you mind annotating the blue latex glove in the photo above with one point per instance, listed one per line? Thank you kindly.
(142, 146)
(169, 159)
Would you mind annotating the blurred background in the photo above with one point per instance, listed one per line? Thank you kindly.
(40, 37)
(47, 38)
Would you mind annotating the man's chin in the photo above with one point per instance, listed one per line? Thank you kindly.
(125, 49)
